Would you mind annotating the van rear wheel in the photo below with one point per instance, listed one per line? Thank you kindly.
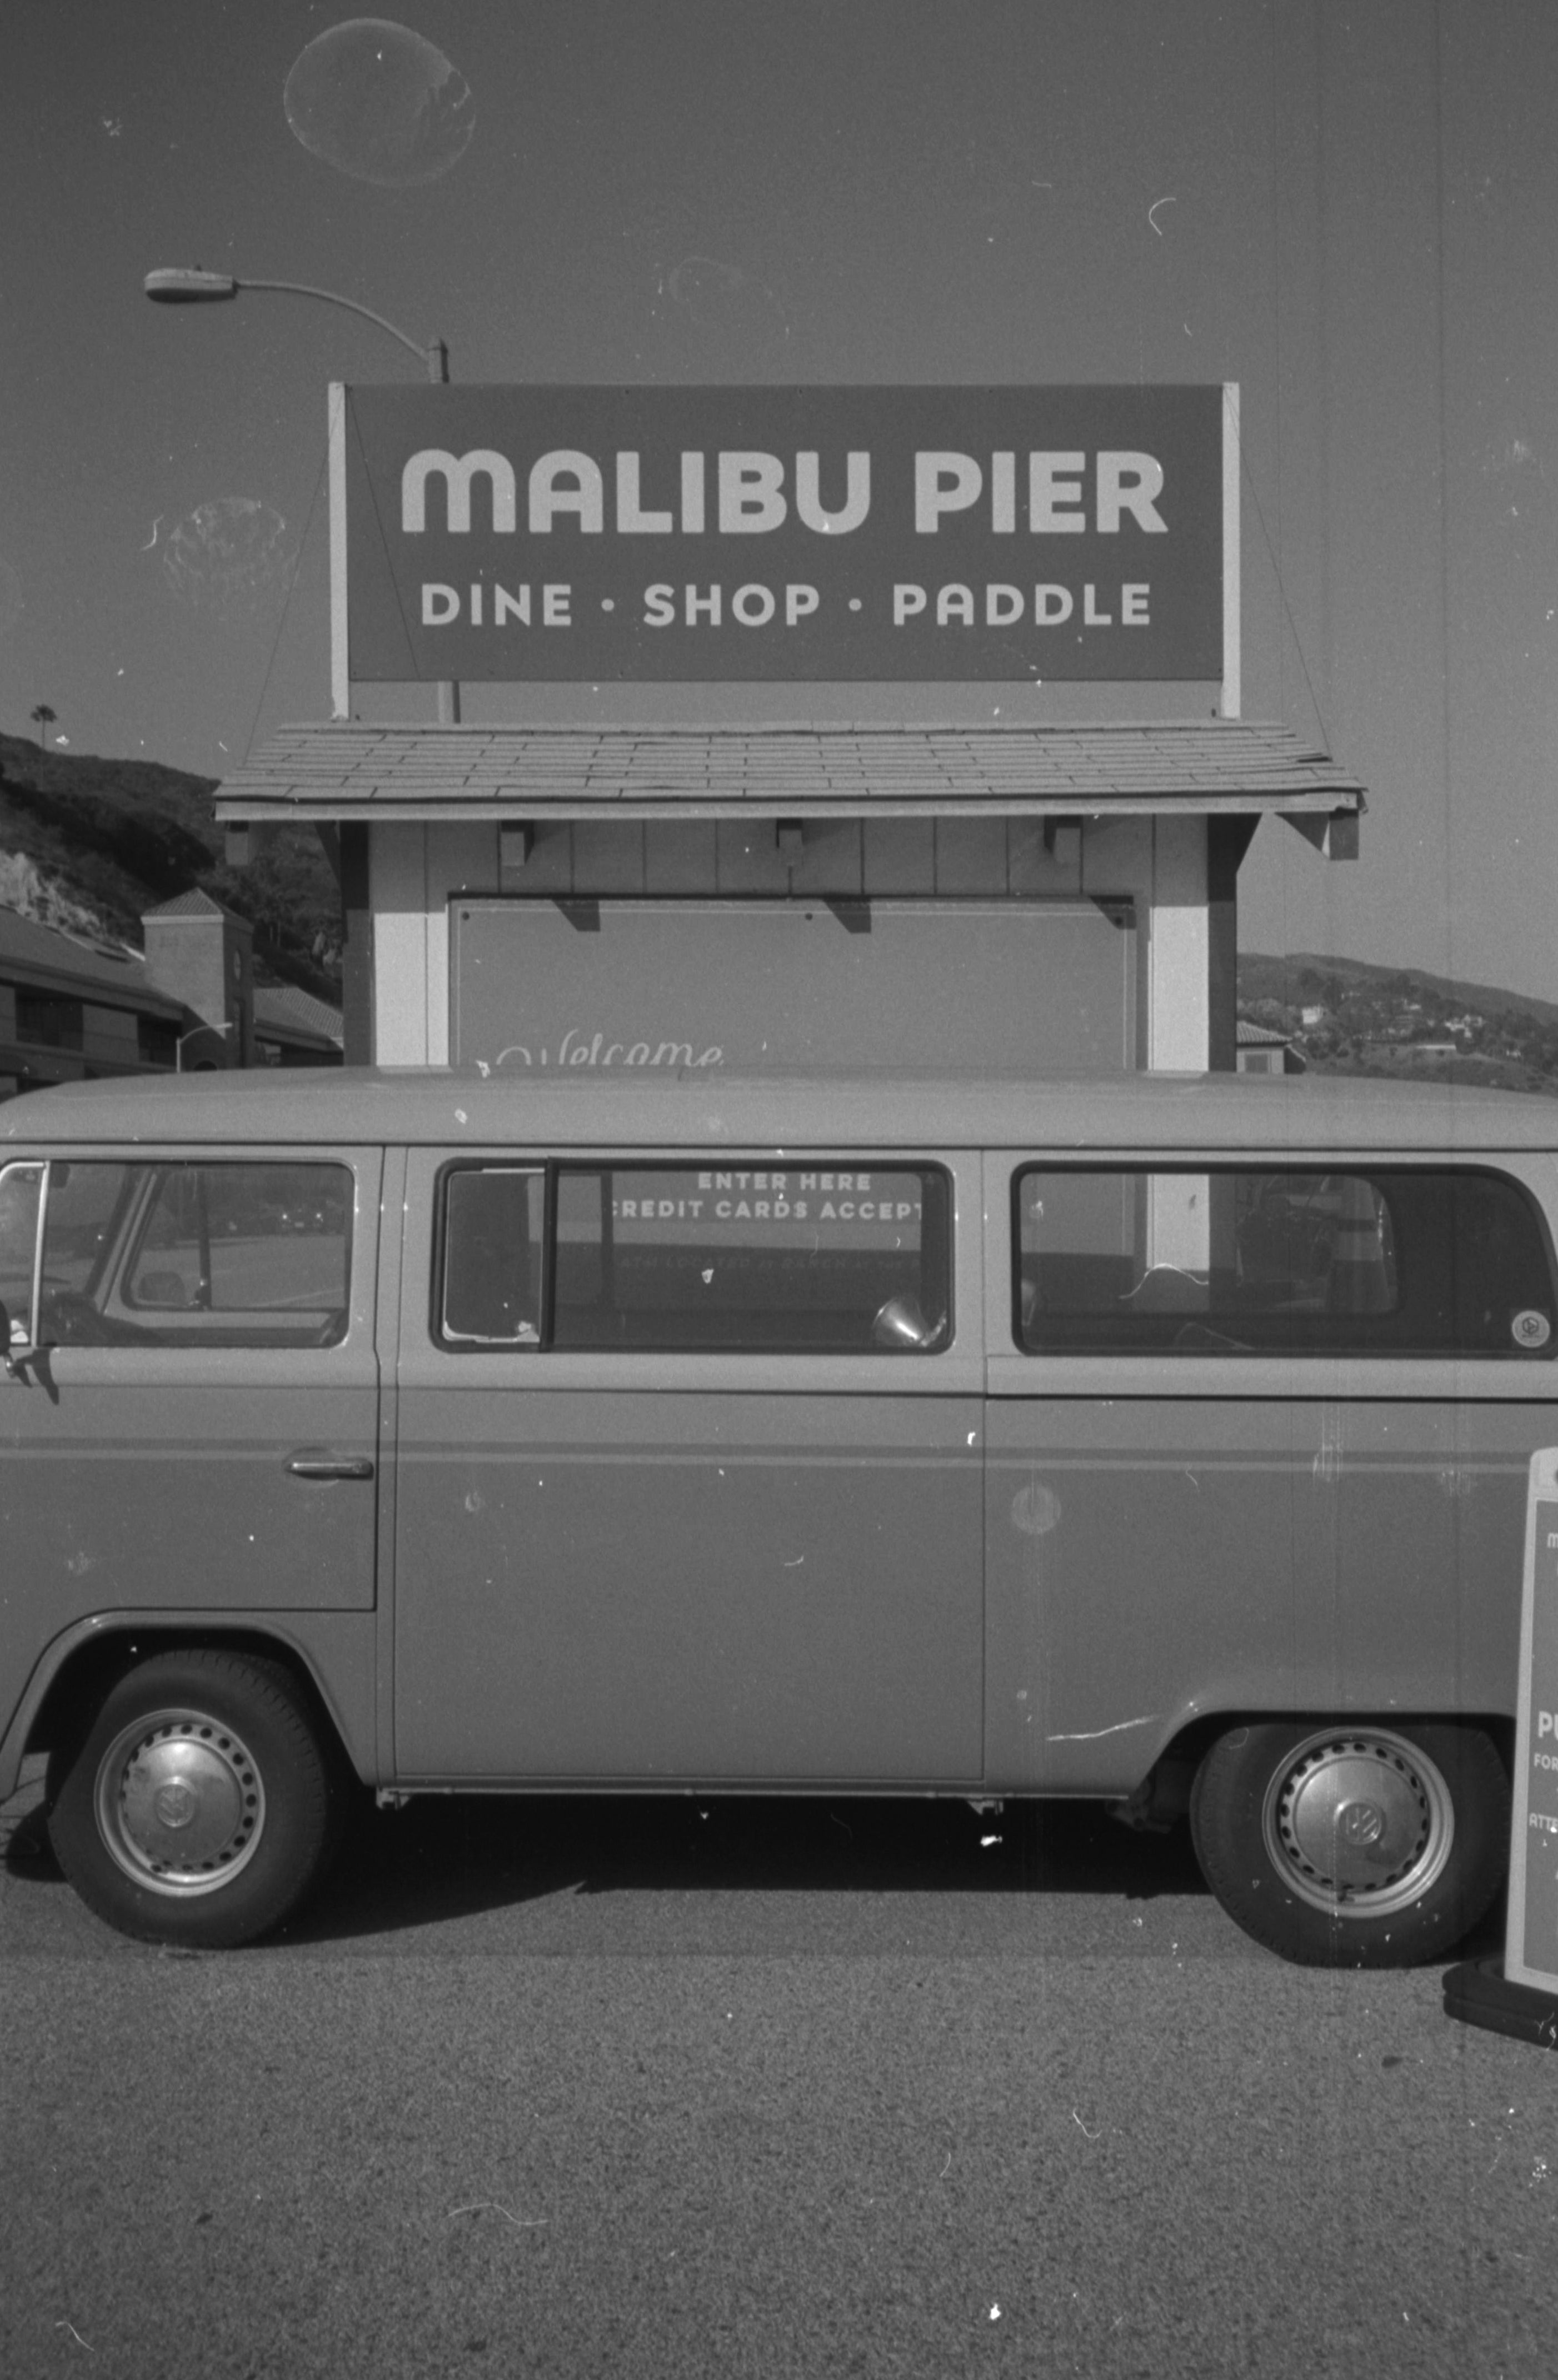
(197, 1809)
(1353, 1845)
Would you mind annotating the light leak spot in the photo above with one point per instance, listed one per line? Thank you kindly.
(731, 310)
(379, 102)
(230, 557)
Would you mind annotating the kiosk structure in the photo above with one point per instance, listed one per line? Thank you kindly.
(798, 890)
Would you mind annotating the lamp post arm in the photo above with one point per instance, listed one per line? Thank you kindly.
(193, 286)
(435, 356)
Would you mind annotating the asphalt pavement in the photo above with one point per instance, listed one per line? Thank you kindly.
(611, 2090)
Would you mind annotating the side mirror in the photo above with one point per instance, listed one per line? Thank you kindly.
(901, 1323)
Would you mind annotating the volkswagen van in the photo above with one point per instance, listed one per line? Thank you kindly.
(1157, 1440)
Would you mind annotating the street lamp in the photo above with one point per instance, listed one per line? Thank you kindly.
(191, 285)
(188, 286)
(201, 1066)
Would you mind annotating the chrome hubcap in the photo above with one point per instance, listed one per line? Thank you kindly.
(180, 1803)
(1359, 1824)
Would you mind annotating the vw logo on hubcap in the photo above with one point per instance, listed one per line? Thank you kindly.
(173, 1802)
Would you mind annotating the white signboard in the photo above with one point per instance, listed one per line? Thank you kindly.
(986, 987)
(1532, 1939)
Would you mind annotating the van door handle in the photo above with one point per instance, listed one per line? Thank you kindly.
(330, 1466)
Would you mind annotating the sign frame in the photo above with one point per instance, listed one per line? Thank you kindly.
(343, 677)
(583, 953)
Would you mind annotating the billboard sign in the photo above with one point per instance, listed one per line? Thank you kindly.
(867, 534)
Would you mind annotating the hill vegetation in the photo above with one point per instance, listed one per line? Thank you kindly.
(1345, 1016)
(93, 843)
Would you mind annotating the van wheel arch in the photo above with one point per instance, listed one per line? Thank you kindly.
(90, 1672)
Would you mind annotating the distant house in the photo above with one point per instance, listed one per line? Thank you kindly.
(73, 1008)
(1261, 1052)
(292, 1028)
(1386, 1045)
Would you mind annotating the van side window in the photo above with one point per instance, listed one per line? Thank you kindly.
(22, 1189)
(242, 1255)
(828, 1257)
(491, 1256)
(1378, 1261)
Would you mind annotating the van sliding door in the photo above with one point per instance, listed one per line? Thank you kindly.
(689, 1472)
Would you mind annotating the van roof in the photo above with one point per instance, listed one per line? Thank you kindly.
(296, 1108)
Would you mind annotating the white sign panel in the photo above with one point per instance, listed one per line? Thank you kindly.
(986, 986)
(1532, 1939)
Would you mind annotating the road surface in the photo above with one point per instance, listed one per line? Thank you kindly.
(610, 2090)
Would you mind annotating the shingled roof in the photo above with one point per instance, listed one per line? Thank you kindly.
(194, 903)
(347, 771)
(51, 959)
(285, 1009)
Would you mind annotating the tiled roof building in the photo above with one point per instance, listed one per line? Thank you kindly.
(73, 1007)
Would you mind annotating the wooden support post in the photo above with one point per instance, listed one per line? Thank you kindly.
(1227, 840)
(357, 969)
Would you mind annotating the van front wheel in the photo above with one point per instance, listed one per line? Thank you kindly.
(1353, 1845)
(197, 1808)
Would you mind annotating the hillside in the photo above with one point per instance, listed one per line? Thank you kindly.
(1346, 1016)
(93, 842)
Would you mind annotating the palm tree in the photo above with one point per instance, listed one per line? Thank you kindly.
(42, 717)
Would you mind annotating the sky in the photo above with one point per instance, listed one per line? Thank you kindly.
(1347, 209)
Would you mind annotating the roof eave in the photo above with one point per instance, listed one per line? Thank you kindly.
(322, 807)
(138, 999)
